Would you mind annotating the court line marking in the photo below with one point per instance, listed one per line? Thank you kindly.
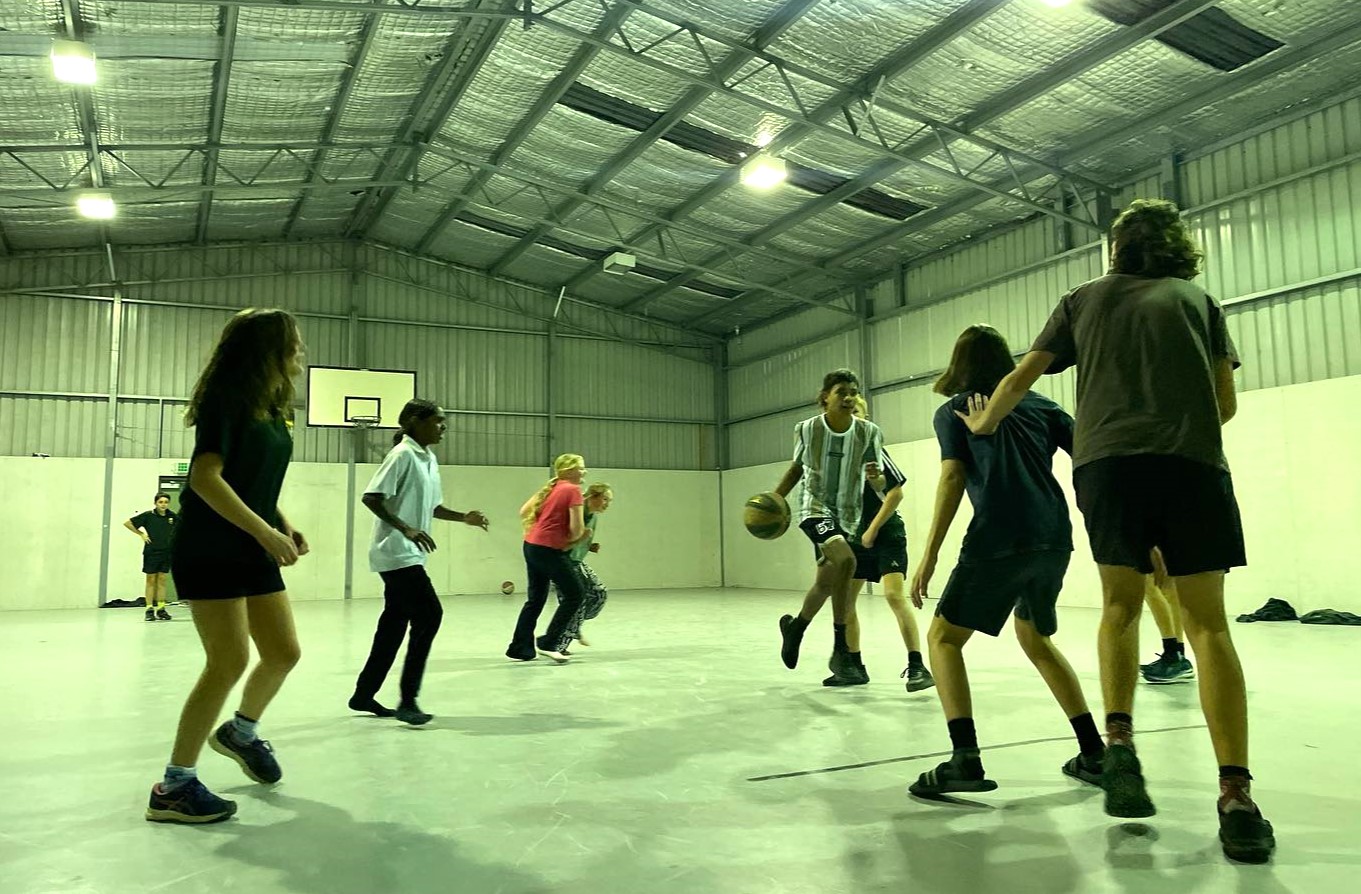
(916, 757)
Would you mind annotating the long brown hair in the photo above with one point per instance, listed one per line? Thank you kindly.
(564, 463)
(248, 374)
(1149, 238)
(980, 360)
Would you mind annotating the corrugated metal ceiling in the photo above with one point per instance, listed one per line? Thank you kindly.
(441, 127)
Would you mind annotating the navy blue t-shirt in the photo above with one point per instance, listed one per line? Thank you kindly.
(1018, 506)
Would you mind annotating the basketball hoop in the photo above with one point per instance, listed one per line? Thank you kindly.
(365, 422)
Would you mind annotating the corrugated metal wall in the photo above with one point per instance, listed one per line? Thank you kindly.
(479, 346)
(1277, 212)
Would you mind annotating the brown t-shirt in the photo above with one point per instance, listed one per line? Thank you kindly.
(1145, 351)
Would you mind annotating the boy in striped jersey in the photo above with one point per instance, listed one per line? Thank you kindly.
(834, 452)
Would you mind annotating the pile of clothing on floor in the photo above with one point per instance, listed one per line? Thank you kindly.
(1280, 610)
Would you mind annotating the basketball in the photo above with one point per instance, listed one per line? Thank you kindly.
(766, 515)
(507, 588)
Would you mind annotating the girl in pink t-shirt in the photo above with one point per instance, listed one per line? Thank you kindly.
(554, 521)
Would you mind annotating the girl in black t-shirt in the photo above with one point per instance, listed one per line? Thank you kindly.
(231, 541)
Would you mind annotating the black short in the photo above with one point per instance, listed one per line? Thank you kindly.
(219, 577)
(822, 531)
(981, 595)
(887, 556)
(1185, 508)
(155, 563)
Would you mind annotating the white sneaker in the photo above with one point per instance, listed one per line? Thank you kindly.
(556, 656)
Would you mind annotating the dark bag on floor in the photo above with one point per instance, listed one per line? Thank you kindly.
(1274, 610)
(1331, 616)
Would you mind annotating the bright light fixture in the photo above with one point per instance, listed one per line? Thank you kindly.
(764, 138)
(1057, 4)
(765, 172)
(73, 62)
(96, 205)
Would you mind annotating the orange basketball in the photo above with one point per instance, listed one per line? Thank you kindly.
(766, 515)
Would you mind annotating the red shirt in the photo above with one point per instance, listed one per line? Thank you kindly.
(554, 527)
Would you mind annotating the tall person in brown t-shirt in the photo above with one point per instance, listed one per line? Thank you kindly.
(1154, 386)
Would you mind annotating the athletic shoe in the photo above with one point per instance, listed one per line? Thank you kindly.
(1246, 836)
(849, 679)
(1084, 769)
(190, 803)
(150, 615)
(1123, 779)
(842, 665)
(1169, 670)
(515, 655)
(918, 678)
(163, 615)
(408, 712)
(792, 633)
(370, 706)
(256, 757)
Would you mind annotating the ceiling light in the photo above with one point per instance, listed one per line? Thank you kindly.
(765, 172)
(96, 205)
(1057, 4)
(764, 138)
(73, 62)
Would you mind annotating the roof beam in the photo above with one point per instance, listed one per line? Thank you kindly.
(89, 126)
(221, 80)
(338, 105)
(395, 8)
(462, 61)
(848, 100)
(542, 106)
(1241, 81)
(780, 21)
(1019, 96)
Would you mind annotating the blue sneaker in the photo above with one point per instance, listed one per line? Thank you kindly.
(190, 803)
(256, 758)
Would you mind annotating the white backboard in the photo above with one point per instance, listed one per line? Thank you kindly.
(336, 395)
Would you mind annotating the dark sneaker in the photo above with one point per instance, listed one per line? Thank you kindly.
(150, 615)
(791, 631)
(1246, 836)
(163, 615)
(1123, 779)
(1084, 769)
(516, 655)
(370, 706)
(256, 758)
(918, 678)
(190, 803)
(852, 679)
(408, 712)
(1169, 670)
(841, 664)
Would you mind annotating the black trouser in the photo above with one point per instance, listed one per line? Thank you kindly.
(545, 565)
(409, 598)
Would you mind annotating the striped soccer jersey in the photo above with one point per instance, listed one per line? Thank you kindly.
(834, 468)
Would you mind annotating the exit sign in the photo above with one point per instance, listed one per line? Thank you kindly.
(181, 468)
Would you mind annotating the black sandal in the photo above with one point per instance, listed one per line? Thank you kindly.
(947, 778)
(1082, 771)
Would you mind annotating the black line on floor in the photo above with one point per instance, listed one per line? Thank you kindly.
(916, 757)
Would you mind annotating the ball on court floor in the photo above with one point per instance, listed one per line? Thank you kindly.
(766, 515)
(507, 588)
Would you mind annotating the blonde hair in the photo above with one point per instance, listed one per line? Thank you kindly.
(862, 407)
(599, 489)
(564, 463)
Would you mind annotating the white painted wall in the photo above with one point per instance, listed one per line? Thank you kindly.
(1293, 451)
(661, 531)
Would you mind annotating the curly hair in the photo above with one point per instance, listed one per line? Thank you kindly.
(248, 374)
(1150, 239)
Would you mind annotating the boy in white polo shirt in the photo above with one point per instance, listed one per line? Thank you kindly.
(404, 495)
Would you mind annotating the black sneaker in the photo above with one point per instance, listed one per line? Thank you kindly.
(163, 615)
(1176, 669)
(792, 633)
(150, 615)
(1123, 779)
(918, 678)
(1246, 836)
(517, 655)
(852, 679)
(408, 712)
(190, 803)
(256, 758)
